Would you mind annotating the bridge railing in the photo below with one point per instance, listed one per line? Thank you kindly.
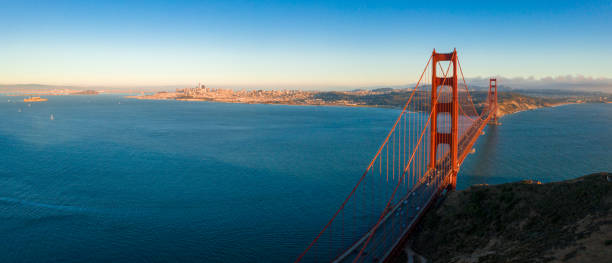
(398, 183)
(395, 168)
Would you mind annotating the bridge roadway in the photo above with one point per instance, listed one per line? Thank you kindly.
(403, 217)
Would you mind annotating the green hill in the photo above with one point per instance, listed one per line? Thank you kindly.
(569, 221)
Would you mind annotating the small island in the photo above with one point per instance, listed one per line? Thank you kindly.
(34, 99)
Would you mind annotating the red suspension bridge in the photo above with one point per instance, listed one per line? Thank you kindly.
(417, 163)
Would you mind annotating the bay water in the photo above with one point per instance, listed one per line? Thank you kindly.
(115, 179)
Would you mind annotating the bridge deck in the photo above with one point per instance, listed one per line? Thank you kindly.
(403, 217)
(404, 201)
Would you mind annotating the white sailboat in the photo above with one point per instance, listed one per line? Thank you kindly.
(52, 118)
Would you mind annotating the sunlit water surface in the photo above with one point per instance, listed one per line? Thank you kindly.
(119, 180)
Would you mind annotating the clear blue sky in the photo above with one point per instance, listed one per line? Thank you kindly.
(296, 43)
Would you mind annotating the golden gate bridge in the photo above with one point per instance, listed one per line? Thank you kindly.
(417, 162)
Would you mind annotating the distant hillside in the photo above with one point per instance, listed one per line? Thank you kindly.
(569, 221)
(509, 102)
(85, 92)
(27, 87)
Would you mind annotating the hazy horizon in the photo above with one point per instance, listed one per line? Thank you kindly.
(569, 83)
(303, 44)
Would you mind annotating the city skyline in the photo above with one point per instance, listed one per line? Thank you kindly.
(325, 45)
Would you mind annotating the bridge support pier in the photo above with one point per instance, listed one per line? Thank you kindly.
(451, 108)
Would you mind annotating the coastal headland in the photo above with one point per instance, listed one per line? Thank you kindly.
(526, 221)
(509, 102)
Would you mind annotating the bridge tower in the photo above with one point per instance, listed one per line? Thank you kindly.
(451, 108)
(493, 98)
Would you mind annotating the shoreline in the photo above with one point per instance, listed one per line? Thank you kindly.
(542, 107)
(267, 103)
(565, 220)
(499, 114)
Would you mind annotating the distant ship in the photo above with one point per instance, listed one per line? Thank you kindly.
(52, 118)
(33, 99)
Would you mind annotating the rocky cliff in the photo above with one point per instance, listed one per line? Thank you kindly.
(569, 221)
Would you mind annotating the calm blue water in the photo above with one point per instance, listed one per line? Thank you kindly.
(547, 144)
(113, 179)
